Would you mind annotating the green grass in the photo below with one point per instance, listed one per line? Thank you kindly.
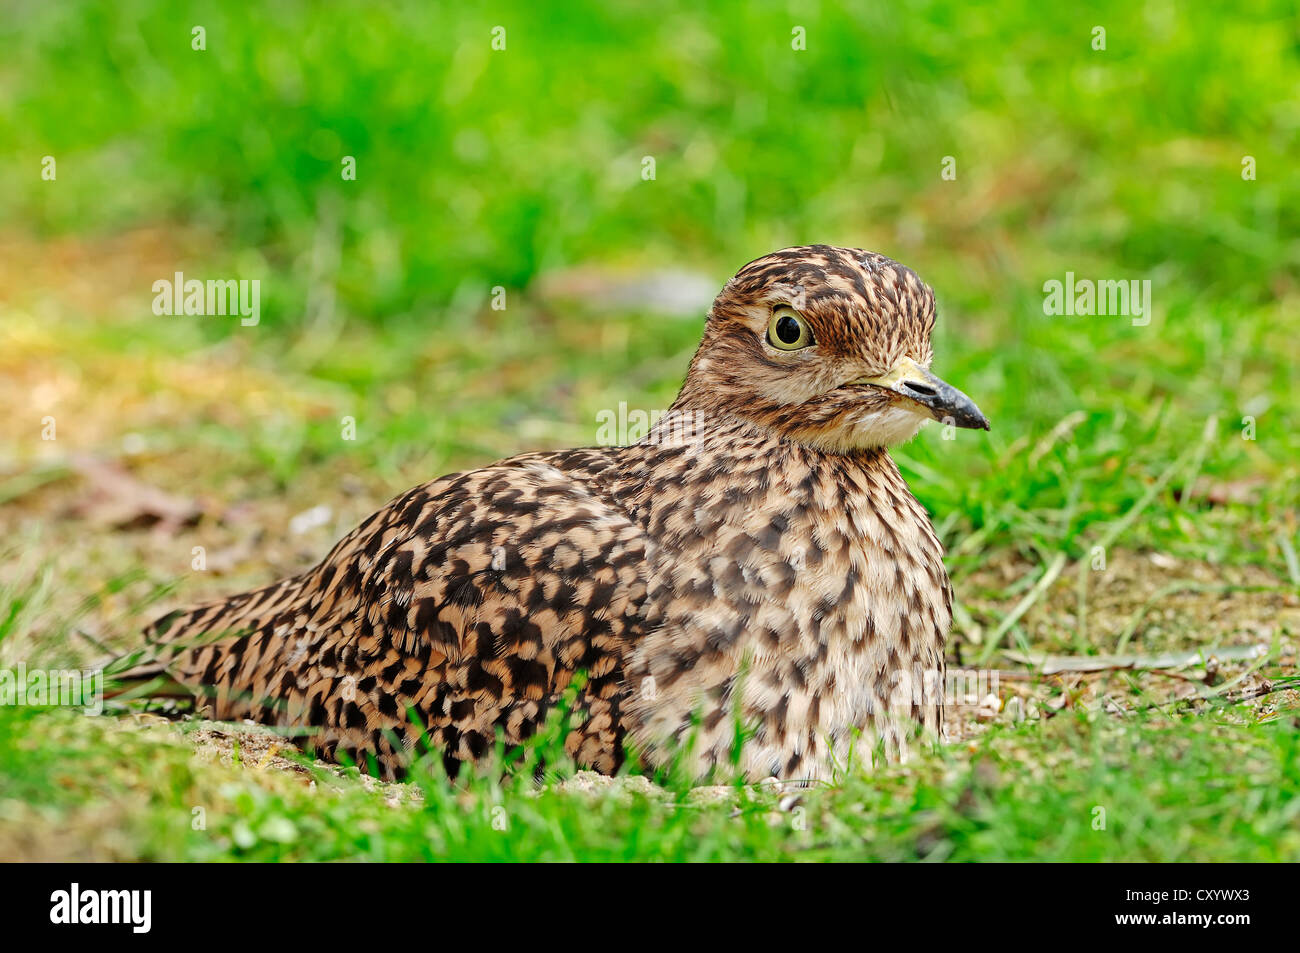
(479, 169)
(1076, 787)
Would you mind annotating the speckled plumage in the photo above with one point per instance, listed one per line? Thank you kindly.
(756, 555)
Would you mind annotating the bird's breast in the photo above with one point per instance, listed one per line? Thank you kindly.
(807, 584)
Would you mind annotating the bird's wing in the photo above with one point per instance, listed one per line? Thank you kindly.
(468, 602)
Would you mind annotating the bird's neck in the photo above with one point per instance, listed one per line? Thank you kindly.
(693, 454)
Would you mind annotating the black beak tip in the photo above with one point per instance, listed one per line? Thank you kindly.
(946, 403)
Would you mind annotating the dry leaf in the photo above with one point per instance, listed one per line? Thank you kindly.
(116, 498)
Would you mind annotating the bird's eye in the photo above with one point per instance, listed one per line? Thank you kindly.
(788, 330)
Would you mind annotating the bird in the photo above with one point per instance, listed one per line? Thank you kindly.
(751, 588)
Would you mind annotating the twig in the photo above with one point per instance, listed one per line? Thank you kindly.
(1054, 664)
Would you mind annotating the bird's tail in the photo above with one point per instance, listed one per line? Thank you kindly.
(221, 654)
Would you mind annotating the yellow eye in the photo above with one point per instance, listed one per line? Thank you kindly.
(788, 330)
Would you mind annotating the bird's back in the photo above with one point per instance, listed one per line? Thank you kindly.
(463, 606)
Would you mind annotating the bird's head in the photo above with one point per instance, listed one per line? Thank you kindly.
(826, 346)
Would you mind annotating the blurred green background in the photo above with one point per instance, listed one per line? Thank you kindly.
(479, 168)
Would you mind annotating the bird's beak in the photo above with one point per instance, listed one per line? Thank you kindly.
(944, 402)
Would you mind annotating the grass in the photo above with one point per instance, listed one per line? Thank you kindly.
(1080, 786)
(1166, 453)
